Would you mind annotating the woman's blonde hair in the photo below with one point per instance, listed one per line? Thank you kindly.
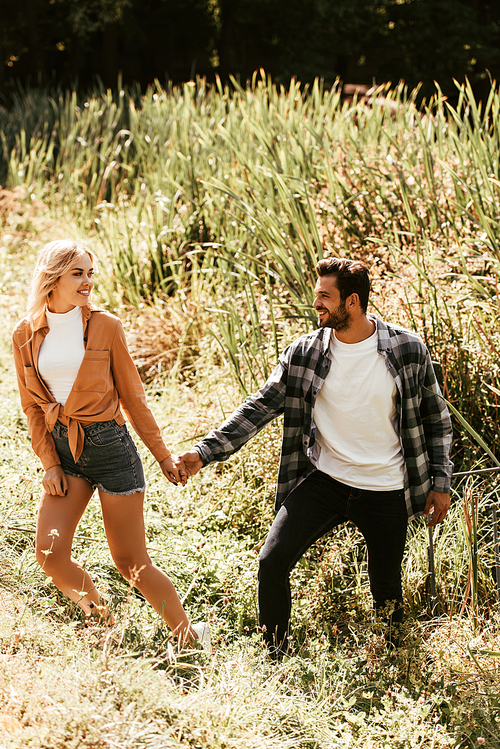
(55, 259)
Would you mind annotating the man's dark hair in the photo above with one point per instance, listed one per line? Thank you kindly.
(351, 277)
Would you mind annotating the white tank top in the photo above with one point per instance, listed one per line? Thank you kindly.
(62, 352)
(356, 422)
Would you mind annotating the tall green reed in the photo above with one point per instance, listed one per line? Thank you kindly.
(228, 196)
(274, 179)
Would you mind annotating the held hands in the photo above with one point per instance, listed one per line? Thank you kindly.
(437, 506)
(178, 470)
(55, 481)
(171, 471)
(189, 463)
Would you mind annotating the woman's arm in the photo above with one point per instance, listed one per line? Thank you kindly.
(41, 440)
(133, 401)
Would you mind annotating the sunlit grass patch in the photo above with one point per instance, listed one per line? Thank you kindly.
(207, 208)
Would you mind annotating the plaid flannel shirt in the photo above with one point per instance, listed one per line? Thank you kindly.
(424, 422)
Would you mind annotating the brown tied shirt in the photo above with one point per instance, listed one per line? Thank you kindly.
(107, 378)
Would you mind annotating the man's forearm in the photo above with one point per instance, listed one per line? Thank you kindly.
(254, 413)
(242, 425)
(438, 432)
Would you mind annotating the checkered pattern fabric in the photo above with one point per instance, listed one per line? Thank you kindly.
(424, 422)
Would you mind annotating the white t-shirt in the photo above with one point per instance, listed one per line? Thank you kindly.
(62, 352)
(355, 416)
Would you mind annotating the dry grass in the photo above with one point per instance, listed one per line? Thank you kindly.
(155, 340)
(59, 690)
(63, 685)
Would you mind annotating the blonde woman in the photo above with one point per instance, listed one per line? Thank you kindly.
(74, 372)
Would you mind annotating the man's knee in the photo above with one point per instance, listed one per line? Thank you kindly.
(386, 586)
(269, 564)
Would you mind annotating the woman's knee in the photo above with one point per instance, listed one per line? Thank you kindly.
(131, 567)
(49, 555)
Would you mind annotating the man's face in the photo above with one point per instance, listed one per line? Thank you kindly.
(332, 312)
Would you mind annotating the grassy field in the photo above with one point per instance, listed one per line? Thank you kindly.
(207, 209)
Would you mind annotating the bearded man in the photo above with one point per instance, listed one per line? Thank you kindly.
(366, 438)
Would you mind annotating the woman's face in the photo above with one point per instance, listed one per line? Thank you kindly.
(74, 287)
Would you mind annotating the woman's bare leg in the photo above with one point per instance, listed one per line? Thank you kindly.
(58, 517)
(124, 525)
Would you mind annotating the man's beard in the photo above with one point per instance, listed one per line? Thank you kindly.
(339, 320)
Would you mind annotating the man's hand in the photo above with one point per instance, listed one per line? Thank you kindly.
(171, 471)
(437, 505)
(55, 481)
(189, 462)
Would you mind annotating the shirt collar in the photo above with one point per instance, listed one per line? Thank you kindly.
(382, 331)
(41, 321)
(326, 340)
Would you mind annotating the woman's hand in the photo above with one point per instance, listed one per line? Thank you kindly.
(172, 472)
(55, 481)
(189, 463)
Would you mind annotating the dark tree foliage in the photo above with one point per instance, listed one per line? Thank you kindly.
(360, 41)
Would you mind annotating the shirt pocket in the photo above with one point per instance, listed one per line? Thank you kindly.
(31, 379)
(94, 375)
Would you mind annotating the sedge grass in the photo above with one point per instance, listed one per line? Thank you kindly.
(210, 206)
(216, 192)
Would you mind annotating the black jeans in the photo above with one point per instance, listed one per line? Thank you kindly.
(313, 508)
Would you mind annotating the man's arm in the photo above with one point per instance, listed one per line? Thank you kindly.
(254, 413)
(436, 421)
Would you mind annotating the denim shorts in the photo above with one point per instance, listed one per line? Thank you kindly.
(109, 461)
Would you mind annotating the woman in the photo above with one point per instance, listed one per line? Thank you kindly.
(74, 371)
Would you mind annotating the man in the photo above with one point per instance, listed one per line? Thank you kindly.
(366, 438)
